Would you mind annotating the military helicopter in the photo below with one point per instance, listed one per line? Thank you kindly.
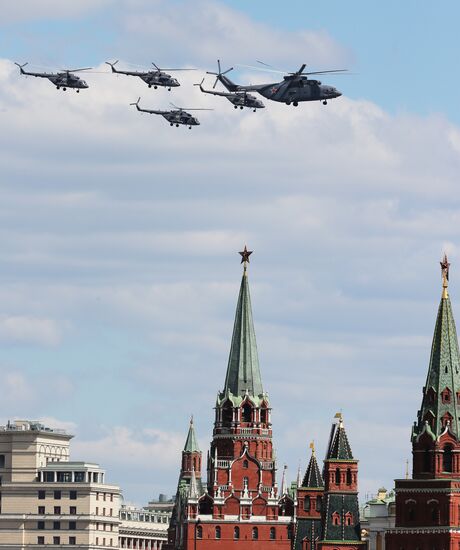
(152, 78)
(176, 116)
(295, 87)
(64, 79)
(238, 99)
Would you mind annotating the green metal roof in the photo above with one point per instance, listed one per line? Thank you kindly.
(339, 448)
(243, 372)
(313, 478)
(443, 373)
(191, 444)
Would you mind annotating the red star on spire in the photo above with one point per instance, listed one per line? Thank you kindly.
(245, 255)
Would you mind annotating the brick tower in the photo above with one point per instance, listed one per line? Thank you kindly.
(428, 505)
(240, 506)
(310, 490)
(340, 512)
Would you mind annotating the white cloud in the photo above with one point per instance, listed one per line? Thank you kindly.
(25, 10)
(29, 330)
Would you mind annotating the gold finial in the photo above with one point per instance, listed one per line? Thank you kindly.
(312, 447)
(340, 417)
(445, 275)
(245, 257)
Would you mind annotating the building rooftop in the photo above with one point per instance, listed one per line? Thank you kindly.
(31, 426)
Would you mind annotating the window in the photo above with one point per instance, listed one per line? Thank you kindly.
(73, 510)
(218, 532)
(349, 476)
(40, 524)
(319, 504)
(79, 477)
(41, 495)
(263, 416)
(57, 510)
(245, 464)
(40, 540)
(236, 533)
(447, 459)
(72, 540)
(199, 532)
(2, 461)
(57, 495)
(337, 476)
(97, 511)
(64, 477)
(272, 533)
(348, 518)
(289, 532)
(48, 477)
(56, 540)
(56, 525)
(247, 412)
(307, 504)
(72, 525)
(255, 533)
(41, 510)
(227, 413)
(435, 515)
(336, 518)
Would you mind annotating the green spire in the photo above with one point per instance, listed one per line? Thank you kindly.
(442, 390)
(313, 478)
(243, 373)
(339, 448)
(191, 444)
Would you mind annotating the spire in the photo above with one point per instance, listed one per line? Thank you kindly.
(339, 448)
(299, 476)
(313, 478)
(442, 388)
(283, 481)
(191, 443)
(193, 487)
(243, 373)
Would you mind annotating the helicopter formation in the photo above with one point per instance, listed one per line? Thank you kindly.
(296, 87)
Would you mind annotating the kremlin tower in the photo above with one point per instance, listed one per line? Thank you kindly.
(240, 504)
(428, 505)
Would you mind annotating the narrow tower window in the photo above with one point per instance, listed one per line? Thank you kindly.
(255, 533)
(447, 459)
(199, 532)
(247, 412)
(319, 504)
(218, 532)
(307, 504)
(337, 476)
(272, 533)
(236, 533)
(349, 476)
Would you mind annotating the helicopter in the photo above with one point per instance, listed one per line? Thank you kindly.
(176, 117)
(64, 79)
(295, 87)
(238, 99)
(153, 78)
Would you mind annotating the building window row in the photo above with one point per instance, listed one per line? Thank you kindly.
(103, 511)
(57, 510)
(57, 495)
(104, 496)
(236, 533)
(57, 540)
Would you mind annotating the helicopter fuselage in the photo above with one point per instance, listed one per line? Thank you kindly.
(65, 80)
(159, 78)
(180, 117)
(240, 99)
(298, 90)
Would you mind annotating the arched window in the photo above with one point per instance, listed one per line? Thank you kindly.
(307, 504)
(427, 460)
(348, 518)
(435, 515)
(255, 533)
(447, 459)
(263, 416)
(199, 532)
(247, 412)
(349, 477)
(411, 513)
(319, 504)
(218, 532)
(236, 533)
(336, 518)
(2, 461)
(227, 413)
(245, 464)
(272, 533)
(337, 476)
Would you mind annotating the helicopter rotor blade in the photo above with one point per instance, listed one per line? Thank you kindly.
(327, 72)
(137, 102)
(76, 70)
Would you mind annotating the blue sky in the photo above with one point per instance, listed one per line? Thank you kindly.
(119, 267)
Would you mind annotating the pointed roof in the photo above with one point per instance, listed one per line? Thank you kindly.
(444, 369)
(243, 372)
(313, 478)
(191, 443)
(193, 487)
(339, 448)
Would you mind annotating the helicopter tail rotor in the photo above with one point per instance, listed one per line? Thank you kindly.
(136, 103)
(219, 73)
(21, 67)
(112, 65)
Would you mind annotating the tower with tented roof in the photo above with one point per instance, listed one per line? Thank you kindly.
(428, 505)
